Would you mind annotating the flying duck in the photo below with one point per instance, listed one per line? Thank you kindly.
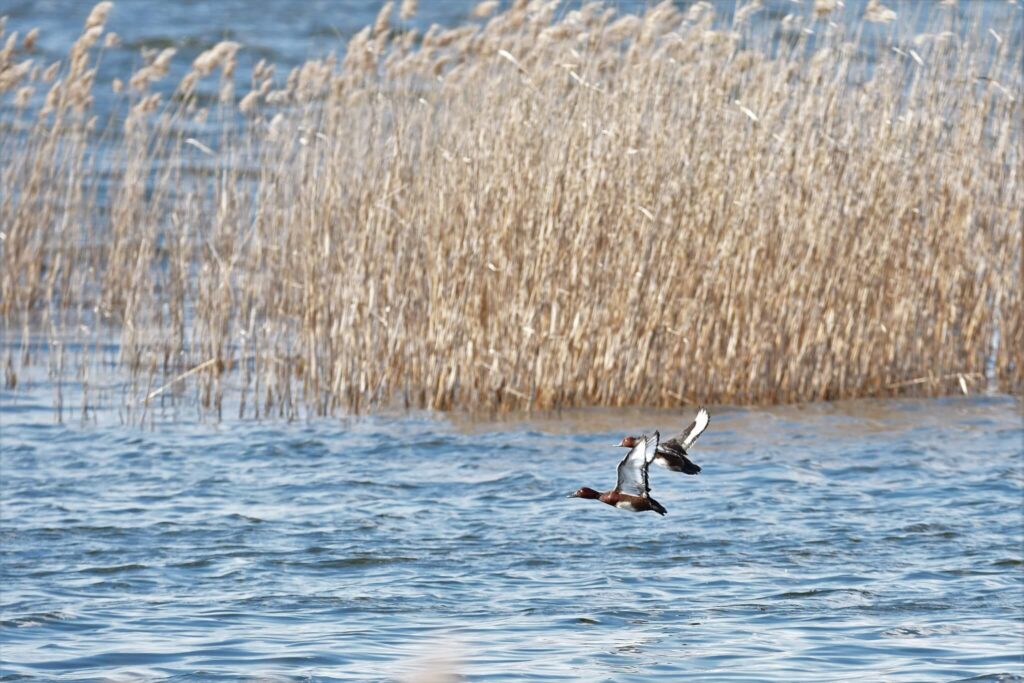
(633, 490)
(672, 453)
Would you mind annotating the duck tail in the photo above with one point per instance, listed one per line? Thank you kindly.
(657, 507)
(690, 467)
(677, 462)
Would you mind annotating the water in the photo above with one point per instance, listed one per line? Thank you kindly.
(855, 541)
(286, 33)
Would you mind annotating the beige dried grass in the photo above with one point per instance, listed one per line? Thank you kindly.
(532, 213)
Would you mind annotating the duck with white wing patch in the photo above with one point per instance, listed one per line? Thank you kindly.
(673, 454)
(632, 491)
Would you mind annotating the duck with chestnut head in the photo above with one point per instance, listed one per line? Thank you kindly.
(673, 454)
(632, 491)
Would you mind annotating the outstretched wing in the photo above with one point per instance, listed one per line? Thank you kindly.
(650, 451)
(686, 437)
(632, 471)
(696, 428)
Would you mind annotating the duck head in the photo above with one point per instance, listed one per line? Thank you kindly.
(629, 441)
(584, 492)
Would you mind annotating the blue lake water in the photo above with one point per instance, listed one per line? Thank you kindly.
(855, 541)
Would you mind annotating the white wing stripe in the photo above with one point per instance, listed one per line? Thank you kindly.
(631, 470)
(700, 423)
(651, 448)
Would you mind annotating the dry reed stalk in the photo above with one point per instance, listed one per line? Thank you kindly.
(534, 213)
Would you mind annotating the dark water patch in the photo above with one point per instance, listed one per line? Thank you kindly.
(108, 660)
(118, 569)
(1009, 562)
(820, 593)
(348, 562)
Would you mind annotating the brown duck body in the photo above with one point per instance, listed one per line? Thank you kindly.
(625, 501)
(632, 491)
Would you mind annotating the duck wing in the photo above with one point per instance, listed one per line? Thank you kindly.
(693, 430)
(633, 469)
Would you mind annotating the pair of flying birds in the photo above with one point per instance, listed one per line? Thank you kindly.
(633, 490)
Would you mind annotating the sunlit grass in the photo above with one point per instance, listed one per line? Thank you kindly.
(544, 209)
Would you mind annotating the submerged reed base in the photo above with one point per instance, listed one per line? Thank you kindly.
(542, 209)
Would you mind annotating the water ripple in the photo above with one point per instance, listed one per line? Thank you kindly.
(856, 552)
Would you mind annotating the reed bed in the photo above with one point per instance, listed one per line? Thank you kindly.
(545, 208)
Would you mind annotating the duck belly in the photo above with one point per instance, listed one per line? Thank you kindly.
(627, 505)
